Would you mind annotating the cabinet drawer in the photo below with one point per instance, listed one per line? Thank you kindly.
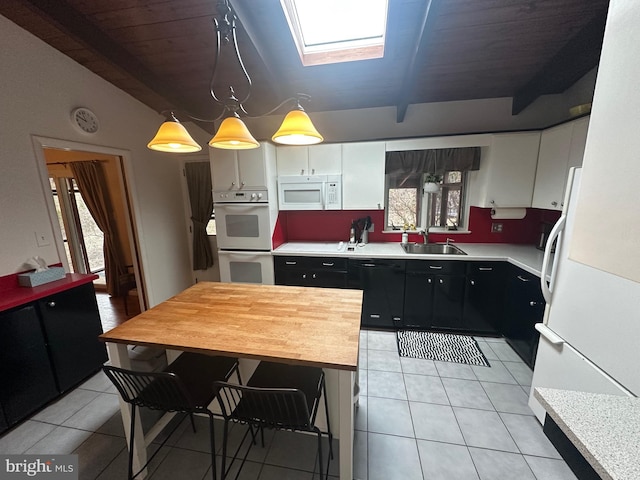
(436, 267)
(316, 263)
(484, 268)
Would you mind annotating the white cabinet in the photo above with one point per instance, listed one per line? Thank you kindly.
(239, 169)
(507, 171)
(561, 147)
(363, 166)
(323, 159)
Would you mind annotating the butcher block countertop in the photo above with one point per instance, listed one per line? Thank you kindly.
(297, 325)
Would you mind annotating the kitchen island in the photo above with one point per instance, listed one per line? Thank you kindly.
(305, 326)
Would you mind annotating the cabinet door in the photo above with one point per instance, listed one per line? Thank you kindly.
(292, 160)
(382, 282)
(484, 297)
(555, 144)
(72, 324)
(418, 300)
(524, 307)
(363, 175)
(325, 159)
(224, 169)
(448, 298)
(251, 169)
(25, 370)
(508, 170)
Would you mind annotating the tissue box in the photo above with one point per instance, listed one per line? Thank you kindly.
(33, 279)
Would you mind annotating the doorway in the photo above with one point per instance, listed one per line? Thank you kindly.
(79, 241)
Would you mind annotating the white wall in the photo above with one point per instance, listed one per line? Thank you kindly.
(40, 87)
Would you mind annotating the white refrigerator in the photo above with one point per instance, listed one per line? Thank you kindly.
(590, 336)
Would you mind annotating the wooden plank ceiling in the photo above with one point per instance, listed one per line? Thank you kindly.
(162, 52)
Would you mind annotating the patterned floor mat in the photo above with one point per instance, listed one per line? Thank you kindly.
(445, 347)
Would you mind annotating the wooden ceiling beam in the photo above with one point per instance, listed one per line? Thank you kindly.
(572, 62)
(80, 28)
(427, 25)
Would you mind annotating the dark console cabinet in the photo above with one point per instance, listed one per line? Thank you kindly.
(47, 347)
(72, 325)
(27, 378)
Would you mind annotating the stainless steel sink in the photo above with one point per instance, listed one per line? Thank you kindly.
(432, 249)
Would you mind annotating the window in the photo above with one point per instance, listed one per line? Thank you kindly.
(407, 207)
(332, 31)
(83, 240)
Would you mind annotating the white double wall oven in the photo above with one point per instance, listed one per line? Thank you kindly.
(243, 225)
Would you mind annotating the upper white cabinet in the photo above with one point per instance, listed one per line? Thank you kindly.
(507, 171)
(241, 169)
(325, 159)
(363, 166)
(561, 147)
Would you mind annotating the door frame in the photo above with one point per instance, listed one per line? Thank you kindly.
(128, 191)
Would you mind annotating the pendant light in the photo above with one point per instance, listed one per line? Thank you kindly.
(296, 128)
(173, 137)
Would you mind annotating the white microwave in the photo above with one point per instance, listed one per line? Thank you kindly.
(310, 192)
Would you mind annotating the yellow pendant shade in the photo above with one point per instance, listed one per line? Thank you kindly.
(233, 134)
(173, 137)
(297, 129)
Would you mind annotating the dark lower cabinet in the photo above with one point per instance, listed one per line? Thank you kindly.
(523, 308)
(26, 375)
(383, 284)
(448, 298)
(311, 271)
(72, 325)
(484, 297)
(434, 294)
(418, 297)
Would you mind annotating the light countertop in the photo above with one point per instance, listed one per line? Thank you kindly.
(604, 428)
(527, 257)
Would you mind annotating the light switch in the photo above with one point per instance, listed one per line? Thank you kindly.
(42, 239)
(496, 227)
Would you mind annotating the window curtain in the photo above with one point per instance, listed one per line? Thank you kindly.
(201, 200)
(406, 164)
(92, 184)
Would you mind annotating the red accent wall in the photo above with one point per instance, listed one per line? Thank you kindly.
(330, 226)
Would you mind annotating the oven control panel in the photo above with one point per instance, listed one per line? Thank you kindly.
(240, 196)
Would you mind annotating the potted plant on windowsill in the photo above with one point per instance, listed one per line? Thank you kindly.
(432, 183)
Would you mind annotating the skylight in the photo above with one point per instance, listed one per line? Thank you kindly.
(332, 31)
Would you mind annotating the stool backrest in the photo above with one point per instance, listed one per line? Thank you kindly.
(156, 390)
(279, 408)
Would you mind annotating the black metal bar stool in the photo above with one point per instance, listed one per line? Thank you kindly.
(278, 396)
(185, 386)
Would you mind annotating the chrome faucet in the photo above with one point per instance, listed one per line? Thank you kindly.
(450, 240)
(425, 235)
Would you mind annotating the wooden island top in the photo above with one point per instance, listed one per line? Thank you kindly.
(297, 325)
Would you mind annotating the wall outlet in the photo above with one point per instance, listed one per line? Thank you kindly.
(42, 239)
(496, 227)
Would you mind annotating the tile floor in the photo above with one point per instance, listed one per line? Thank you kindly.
(417, 419)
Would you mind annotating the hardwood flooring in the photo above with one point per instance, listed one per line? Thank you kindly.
(112, 311)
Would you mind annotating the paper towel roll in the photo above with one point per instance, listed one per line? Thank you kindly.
(508, 213)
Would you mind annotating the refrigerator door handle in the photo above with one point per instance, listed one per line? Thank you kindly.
(556, 231)
(549, 334)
